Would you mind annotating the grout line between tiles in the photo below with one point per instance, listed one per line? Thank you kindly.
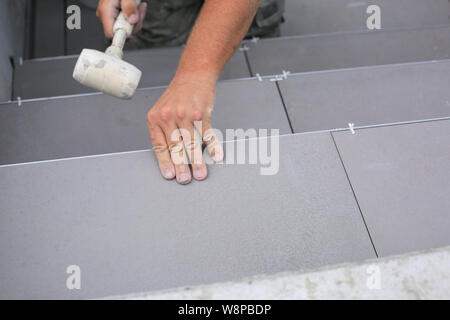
(225, 141)
(247, 61)
(354, 194)
(13, 76)
(354, 32)
(295, 74)
(284, 106)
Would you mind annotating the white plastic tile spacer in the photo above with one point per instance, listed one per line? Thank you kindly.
(277, 77)
(285, 74)
(19, 101)
(255, 39)
(20, 61)
(243, 48)
(258, 76)
(351, 126)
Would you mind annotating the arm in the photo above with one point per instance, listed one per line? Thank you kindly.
(217, 33)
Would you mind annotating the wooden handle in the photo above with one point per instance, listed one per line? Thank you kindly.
(122, 30)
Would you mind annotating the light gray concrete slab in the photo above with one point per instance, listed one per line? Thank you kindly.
(367, 96)
(335, 51)
(324, 16)
(412, 276)
(400, 175)
(131, 231)
(97, 124)
(158, 67)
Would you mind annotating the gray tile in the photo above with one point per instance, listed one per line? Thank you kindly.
(401, 176)
(367, 96)
(158, 67)
(48, 37)
(322, 16)
(322, 52)
(97, 124)
(129, 230)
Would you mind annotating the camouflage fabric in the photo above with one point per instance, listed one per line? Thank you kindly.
(169, 22)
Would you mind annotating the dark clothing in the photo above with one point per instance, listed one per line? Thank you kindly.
(169, 22)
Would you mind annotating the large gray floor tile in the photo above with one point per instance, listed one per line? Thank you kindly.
(367, 96)
(401, 178)
(97, 124)
(129, 230)
(324, 16)
(334, 51)
(158, 67)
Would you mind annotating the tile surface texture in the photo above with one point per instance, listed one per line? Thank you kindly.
(367, 96)
(157, 65)
(401, 176)
(131, 231)
(324, 16)
(98, 124)
(48, 28)
(335, 51)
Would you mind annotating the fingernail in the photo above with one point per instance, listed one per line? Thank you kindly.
(218, 156)
(184, 178)
(200, 173)
(133, 18)
(169, 173)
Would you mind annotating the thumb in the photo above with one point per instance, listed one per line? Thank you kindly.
(130, 9)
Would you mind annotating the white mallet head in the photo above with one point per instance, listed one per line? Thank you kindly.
(107, 73)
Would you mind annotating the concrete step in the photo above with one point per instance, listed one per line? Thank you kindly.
(336, 51)
(96, 124)
(303, 17)
(367, 96)
(131, 231)
(51, 77)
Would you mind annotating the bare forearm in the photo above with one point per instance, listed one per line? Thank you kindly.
(217, 33)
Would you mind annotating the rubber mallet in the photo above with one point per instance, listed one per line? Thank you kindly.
(106, 71)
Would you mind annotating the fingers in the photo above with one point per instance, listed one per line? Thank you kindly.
(210, 139)
(107, 12)
(178, 154)
(161, 150)
(193, 147)
(131, 12)
(142, 13)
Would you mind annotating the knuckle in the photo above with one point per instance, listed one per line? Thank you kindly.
(192, 145)
(197, 115)
(180, 113)
(159, 148)
(176, 147)
(165, 114)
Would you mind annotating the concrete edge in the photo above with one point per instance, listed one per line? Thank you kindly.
(417, 275)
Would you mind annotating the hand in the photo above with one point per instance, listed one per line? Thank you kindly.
(178, 122)
(108, 10)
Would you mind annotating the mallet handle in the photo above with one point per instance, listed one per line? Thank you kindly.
(122, 30)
